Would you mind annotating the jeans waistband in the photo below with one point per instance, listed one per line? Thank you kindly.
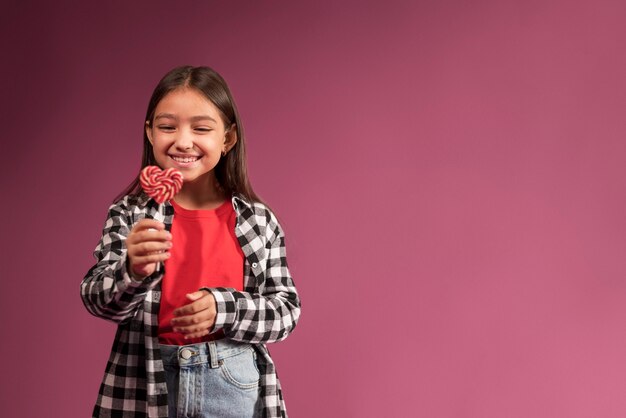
(209, 352)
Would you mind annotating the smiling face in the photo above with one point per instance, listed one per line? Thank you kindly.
(188, 133)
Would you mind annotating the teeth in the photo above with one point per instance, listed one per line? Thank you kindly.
(185, 159)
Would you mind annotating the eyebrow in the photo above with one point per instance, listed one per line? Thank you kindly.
(193, 118)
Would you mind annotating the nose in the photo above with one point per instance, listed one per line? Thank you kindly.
(184, 140)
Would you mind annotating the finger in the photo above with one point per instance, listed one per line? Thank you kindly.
(196, 306)
(149, 247)
(202, 327)
(150, 258)
(190, 309)
(191, 320)
(197, 334)
(148, 235)
(196, 295)
(148, 223)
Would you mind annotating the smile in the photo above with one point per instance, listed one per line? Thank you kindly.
(184, 159)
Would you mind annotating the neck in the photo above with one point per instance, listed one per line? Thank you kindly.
(202, 193)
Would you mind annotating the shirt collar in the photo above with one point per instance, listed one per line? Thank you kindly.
(238, 200)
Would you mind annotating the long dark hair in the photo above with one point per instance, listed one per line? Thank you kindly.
(231, 170)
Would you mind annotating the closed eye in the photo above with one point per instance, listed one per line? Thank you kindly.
(166, 128)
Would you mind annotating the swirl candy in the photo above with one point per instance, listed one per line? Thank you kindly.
(161, 185)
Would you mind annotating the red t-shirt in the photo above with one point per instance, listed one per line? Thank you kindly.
(205, 253)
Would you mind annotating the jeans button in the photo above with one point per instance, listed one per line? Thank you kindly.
(185, 354)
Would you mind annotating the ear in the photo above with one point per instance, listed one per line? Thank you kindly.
(230, 139)
(149, 132)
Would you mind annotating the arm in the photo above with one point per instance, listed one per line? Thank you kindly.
(261, 317)
(108, 291)
(267, 316)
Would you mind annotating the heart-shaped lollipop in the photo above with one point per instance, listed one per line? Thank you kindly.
(161, 185)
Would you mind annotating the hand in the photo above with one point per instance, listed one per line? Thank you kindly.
(147, 244)
(197, 317)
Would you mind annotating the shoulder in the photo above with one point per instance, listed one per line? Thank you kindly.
(130, 203)
(256, 214)
(130, 206)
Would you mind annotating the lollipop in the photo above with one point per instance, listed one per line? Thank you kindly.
(161, 185)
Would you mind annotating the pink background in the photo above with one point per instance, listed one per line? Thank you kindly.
(451, 177)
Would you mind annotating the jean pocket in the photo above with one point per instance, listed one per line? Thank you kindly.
(241, 370)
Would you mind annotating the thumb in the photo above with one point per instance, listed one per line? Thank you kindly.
(195, 295)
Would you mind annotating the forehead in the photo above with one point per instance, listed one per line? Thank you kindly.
(187, 102)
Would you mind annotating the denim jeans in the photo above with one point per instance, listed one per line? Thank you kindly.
(214, 379)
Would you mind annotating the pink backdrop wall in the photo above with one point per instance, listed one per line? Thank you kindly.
(451, 177)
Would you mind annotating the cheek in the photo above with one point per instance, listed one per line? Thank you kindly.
(159, 152)
(212, 147)
(161, 146)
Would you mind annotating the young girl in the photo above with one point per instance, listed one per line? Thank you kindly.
(197, 284)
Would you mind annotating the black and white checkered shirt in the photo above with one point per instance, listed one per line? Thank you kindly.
(266, 311)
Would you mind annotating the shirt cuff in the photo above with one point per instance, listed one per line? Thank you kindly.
(226, 306)
(129, 283)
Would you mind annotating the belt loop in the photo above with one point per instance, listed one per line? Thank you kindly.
(213, 354)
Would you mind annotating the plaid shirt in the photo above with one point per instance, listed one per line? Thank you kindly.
(266, 311)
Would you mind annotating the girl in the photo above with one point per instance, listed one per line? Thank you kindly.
(198, 284)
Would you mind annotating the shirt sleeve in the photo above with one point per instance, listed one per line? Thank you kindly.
(107, 290)
(269, 315)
